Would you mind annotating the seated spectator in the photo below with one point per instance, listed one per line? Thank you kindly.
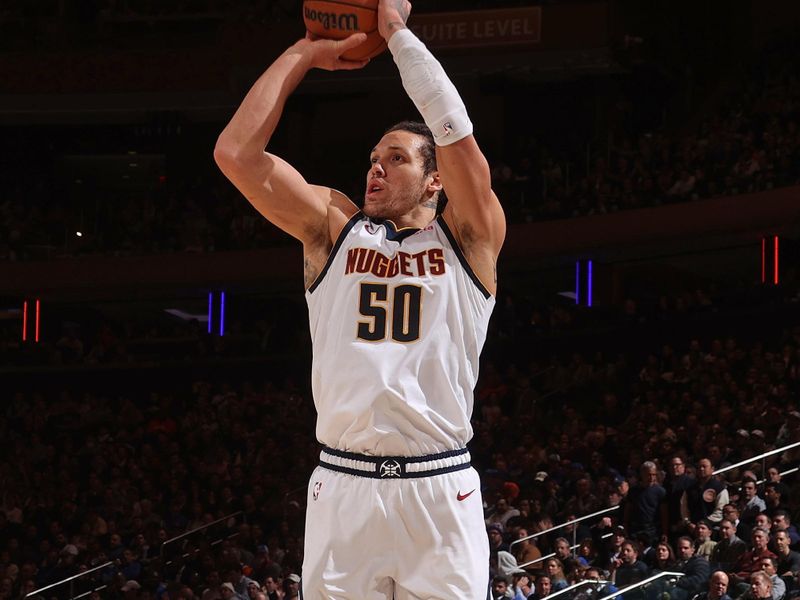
(555, 571)
(496, 540)
(526, 551)
(781, 521)
(773, 498)
(664, 559)
(501, 512)
(542, 588)
(760, 586)
(717, 587)
(695, 569)
(729, 549)
(703, 542)
(769, 566)
(788, 559)
(500, 588)
(750, 503)
(628, 569)
(750, 561)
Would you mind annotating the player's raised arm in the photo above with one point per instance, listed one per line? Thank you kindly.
(473, 210)
(271, 185)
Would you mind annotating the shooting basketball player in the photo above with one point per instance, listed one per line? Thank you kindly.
(399, 296)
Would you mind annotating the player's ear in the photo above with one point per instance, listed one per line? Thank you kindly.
(434, 182)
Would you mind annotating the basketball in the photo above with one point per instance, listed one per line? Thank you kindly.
(338, 19)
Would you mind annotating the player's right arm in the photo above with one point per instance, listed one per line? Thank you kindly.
(275, 188)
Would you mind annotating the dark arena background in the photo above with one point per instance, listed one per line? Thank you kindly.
(157, 426)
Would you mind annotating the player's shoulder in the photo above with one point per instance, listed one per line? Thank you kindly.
(340, 209)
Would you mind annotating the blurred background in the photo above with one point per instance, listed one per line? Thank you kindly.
(154, 348)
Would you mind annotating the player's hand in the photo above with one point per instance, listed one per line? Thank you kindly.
(392, 16)
(327, 54)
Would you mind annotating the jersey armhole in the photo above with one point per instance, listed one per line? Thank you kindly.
(463, 259)
(345, 230)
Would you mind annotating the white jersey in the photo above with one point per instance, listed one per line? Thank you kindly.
(398, 320)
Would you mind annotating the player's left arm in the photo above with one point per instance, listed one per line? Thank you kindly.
(473, 211)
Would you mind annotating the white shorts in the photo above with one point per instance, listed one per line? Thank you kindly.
(403, 539)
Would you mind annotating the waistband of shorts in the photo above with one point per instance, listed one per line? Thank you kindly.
(394, 467)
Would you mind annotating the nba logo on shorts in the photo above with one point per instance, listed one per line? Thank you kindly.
(317, 489)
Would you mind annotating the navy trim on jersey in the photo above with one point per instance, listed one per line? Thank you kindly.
(401, 475)
(409, 459)
(345, 230)
(463, 259)
(393, 233)
(393, 467)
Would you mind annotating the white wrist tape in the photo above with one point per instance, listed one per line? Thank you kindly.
(430, 89)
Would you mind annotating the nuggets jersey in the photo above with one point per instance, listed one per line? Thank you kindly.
(398, 320)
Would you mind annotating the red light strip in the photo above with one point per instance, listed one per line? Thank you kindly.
(37, 321)
(25, 321)
(776, 260)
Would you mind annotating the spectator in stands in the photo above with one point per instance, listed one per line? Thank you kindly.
(525, 551)
(717, 587)
(501, 512)
(496, 541)
(760, 586)
(750, 503)
(272, 586)
(555, 571)
(769, 566)
(645, 510)
(695, 569)
(500, 589)
(542, 588)
(664, 558)
(781, 521)
(788, 559)
(729, 549)
(773, 498)
(703, 543)
(561, 546)
(708, 496)
(750, 561)
(628, 569)
(291, 586)
(678, 484)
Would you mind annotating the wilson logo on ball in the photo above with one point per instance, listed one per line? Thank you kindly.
(331, 20)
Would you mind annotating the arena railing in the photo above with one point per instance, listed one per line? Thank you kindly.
(580, 584)
(643, 583)
(756, 458)
(193, 531)
(565, 524)
(72, 580)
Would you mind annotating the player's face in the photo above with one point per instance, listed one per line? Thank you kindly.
(396, 180)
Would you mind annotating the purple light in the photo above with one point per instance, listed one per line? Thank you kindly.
(210, 307)
(221, 314)
(589, 290)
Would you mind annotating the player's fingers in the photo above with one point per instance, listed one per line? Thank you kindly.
(352, 41)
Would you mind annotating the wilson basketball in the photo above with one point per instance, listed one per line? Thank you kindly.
(338, 19)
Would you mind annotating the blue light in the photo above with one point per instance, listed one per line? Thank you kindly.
(210, 308)
(222, 314)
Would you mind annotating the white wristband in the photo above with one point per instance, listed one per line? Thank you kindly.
(428, 86)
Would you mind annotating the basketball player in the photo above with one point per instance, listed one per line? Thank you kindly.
(399, 299)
